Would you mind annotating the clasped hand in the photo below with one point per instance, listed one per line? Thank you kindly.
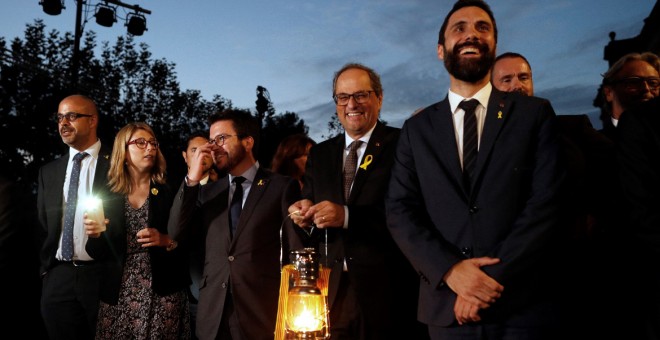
(475, 289)
(325, 214)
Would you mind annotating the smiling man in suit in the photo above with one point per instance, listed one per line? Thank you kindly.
(239, 288)
(478, 224)
(372, 288)
(71, 283)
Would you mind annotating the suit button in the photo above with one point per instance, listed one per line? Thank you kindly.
(230, 258)
(473, 210)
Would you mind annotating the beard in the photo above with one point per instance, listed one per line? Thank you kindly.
(469, 71)
(231, 159)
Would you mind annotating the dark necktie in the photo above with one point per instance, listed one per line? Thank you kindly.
(70, 209)
(236, 204)
(349, 167)
(470, 137)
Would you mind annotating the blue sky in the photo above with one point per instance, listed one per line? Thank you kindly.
(293, 47)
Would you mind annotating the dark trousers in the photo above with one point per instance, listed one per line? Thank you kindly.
(490, 332)
(230, 329)
(70, 301)
(346, 320)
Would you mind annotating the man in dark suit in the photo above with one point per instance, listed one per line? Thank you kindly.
(639, 166)
(239, 289)
(70, 294)
(372, 288)
(479, 233)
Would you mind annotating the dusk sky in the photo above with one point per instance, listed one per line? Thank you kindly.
(293, 48)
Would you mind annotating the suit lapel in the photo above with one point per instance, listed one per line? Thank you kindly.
(257, 189)
(499, 108)
(370, 160)
(442, 123)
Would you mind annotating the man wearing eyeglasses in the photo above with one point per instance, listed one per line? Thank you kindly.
(242, 220)
(372, 288)
(631, 80)
(70, 295)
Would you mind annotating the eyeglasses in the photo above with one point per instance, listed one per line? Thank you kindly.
(360, 97)
(70, 116)
(638, 83)
(219, 140)
(142, 143)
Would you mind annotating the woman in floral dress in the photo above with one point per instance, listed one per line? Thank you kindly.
(145, 290)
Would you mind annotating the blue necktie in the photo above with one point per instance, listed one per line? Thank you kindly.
(236, 204)
(70, 209)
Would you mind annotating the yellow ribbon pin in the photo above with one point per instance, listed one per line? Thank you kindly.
(261, 182)
(154, 191)
(499, 115)
(367, 161)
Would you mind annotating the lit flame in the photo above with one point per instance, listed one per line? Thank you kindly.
(307, 321)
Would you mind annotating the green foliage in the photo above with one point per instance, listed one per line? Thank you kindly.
(126, 82)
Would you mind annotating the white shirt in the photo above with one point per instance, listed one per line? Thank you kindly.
(85, 184)
(459, 115)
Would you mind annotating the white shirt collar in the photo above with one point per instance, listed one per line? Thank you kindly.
(482, 96)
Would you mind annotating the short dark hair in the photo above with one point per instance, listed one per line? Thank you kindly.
(462, 4)
(192, 136)
(245, 124)
(512, 55)
(374, 78)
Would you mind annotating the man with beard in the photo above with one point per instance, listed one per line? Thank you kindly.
(478, 224)
(239, 288)
(71, 279)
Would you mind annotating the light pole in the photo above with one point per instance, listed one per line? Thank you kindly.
(136, 24)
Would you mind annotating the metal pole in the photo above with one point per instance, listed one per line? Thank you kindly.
(75, 62)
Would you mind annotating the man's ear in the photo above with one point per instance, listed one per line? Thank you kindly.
(248, 143)
(441, 52)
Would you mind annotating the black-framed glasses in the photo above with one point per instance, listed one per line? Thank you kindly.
(142, 143)
(70, 116)
(219, 140)
(360, 97)
(638, 83)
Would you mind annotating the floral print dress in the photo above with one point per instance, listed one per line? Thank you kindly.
(141, 313)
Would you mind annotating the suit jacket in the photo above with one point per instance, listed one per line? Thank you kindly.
(50, 205)
(386, 285)
(248, 263)
(639, 163)
(169, 268)
(509, 213)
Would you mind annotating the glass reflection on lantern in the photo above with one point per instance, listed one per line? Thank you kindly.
(306, 314)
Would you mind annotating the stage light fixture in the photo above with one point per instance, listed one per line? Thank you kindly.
(136, 24)
(105, 15)
(52, 7)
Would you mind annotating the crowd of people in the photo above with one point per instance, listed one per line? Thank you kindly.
(485, 216)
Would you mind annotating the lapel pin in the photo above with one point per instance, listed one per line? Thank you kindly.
(261, 182)
(366, 162)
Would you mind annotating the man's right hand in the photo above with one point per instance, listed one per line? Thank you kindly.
(298, 212)
(470, 283)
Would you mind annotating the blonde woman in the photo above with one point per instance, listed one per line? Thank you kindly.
(144, 293)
